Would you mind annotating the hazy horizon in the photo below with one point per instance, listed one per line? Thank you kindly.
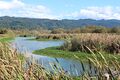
(57, 19)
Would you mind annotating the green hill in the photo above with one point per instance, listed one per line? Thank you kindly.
(18, 22)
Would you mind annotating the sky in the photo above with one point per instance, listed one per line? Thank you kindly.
(61, 9)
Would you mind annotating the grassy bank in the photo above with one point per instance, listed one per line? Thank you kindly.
(6, 39)
(55, 52)
(110, 43)
(55, 36)
(43, 39)
(6, 35)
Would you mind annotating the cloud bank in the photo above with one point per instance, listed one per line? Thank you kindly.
(98, 13)
(20, 9)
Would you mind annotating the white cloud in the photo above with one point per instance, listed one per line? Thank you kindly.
(98, 13)
(38, 11)
(20, 9)
(11, 4)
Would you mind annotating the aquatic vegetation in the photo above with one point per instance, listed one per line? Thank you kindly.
(55, 52)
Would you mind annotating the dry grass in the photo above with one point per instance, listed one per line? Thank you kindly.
(54, 36)
(12, 68)
(96, 42)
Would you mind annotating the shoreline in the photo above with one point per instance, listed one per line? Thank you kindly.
(82, 56)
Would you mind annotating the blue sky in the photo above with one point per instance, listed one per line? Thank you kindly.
(61, 9)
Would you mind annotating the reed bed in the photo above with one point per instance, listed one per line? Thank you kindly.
(55, 36)
(15, 67)
(109, 43)
(64, 36)
(105, 69)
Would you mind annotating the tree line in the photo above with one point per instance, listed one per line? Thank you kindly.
(87, 29)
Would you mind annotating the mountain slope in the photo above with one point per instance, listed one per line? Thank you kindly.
(17, 22)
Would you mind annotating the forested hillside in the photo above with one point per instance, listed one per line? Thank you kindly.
(17, 22)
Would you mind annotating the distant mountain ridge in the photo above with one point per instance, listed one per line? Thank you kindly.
(18, 22)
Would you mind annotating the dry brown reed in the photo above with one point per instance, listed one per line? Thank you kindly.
(96, 42)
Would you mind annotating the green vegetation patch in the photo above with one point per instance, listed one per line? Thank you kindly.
(44, 39)
(55, 52)
(6, 39)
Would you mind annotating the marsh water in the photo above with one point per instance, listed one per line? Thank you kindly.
(74, 67)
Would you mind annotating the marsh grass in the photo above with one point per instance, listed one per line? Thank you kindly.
(12, 66)
(106, 69)
(7, 36)
(54, 36)
(55, 52)
(109, 43)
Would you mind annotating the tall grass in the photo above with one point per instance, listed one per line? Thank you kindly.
(6, 35)
(109, 43)
(55, 36)
(14, 67)
(106, 69)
